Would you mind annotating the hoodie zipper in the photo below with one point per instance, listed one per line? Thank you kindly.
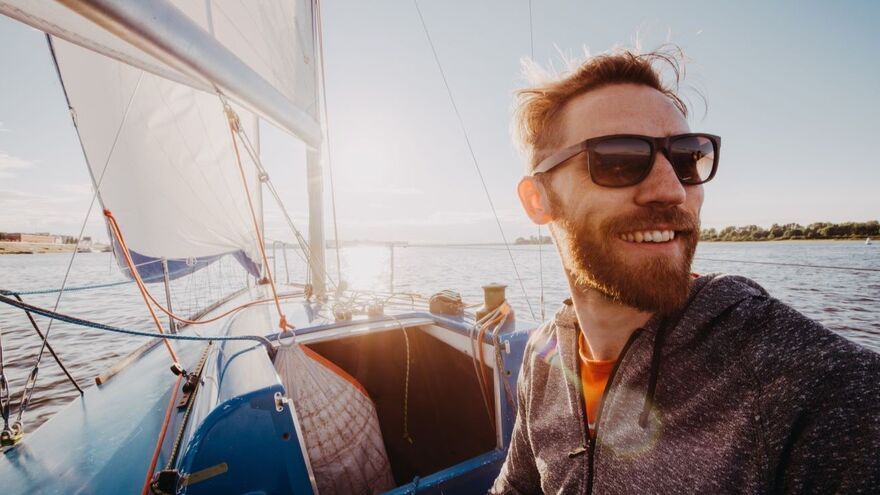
(591, 440)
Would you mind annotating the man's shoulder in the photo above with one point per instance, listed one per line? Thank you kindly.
(739, 311)
(779, 331)
(785, 347)
(776, 344)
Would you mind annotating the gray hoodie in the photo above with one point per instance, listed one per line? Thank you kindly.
(737, 393)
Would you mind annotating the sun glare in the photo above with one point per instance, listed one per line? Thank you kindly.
(366, 267)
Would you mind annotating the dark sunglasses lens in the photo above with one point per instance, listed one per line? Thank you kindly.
(619, 162)
(693, 158)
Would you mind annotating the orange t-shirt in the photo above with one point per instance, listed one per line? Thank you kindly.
(594, 378)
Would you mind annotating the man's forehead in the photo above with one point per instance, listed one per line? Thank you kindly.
(621, 109)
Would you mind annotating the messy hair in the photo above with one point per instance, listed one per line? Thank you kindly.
(537, 108)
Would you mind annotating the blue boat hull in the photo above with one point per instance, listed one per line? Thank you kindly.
(238, 434)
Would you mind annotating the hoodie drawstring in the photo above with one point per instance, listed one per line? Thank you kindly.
(653, 373)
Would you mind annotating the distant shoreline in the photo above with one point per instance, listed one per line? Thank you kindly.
(44, 248)
(10, 247)
(856, 239)
(837, 239)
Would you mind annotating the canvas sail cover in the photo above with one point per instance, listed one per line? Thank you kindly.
(339, 424)
(157, 141)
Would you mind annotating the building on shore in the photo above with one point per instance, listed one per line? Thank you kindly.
(42, 237)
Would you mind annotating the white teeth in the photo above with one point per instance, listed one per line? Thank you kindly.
(649, 236)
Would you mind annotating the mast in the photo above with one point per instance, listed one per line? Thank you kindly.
(315, 178)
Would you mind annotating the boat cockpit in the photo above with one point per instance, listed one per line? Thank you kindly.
(444, 406)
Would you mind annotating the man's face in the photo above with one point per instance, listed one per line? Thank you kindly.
(598, 229)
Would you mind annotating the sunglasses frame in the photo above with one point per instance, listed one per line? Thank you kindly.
(656, 143)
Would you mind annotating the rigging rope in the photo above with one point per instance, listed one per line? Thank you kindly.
(803, 265)
(145, 490)
(406, 435)
(473, 157)
(7, 292)
(109, 328)
(264, 176)
(303, 244)
(540, 243)
(114, 227)
(49, 346)
(121, 239)
(6, 437)
(234, 124)
(698, 258)
(31, 382)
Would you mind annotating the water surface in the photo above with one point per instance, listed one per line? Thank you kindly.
(846, 301)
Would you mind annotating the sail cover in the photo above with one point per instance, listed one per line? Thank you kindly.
(340, 427)
(158, 143)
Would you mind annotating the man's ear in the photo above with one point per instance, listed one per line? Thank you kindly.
(534, 199)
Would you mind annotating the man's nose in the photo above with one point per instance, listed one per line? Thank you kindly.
(661, 187)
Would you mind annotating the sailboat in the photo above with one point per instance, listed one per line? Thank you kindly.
(278, 388)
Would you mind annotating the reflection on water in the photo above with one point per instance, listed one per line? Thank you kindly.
(846, 301)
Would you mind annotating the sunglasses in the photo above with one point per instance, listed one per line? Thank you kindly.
(622, 160)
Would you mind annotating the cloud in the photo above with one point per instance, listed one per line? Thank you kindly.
(9, 163)
(58, 210)
(3, 127)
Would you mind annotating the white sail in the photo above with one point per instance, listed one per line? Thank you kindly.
(161, 156)
(274, 38)
(171, 178)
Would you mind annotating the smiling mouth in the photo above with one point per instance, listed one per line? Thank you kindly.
(649, 236)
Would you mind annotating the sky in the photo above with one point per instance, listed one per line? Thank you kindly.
(790, 86)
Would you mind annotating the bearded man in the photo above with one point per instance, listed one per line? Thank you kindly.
(651, 379)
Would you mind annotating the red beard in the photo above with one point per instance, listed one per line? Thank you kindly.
(658, 284)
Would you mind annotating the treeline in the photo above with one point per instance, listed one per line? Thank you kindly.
(545, 239)
(791, 231)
